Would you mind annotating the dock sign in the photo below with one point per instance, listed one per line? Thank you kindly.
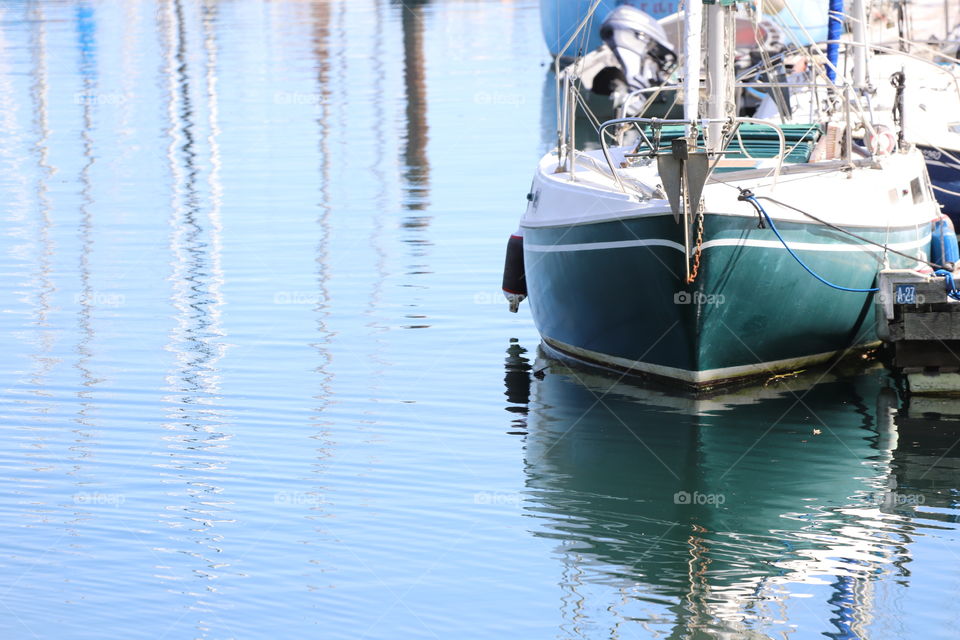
(906, 294)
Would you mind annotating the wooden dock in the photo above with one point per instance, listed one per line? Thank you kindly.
(921, 324)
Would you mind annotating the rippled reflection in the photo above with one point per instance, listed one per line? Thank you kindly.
(517, 376)
(221, 219)
(926, 460)
(86, 299)
(759, 511)
(43, 287)
(198, 435)
(417, 164)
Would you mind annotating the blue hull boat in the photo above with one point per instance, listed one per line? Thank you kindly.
(944, 172)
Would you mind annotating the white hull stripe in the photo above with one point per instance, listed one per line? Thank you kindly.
(724, 242)
(945, 165)
(698, 377)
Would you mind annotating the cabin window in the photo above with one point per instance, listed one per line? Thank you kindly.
(916, 190)
(928, 187)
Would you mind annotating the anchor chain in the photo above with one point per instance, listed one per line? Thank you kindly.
(696, 258)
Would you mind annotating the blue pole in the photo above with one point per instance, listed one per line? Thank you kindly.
(834, 30)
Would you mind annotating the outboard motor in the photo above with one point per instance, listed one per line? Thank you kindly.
(641, 46)
(514, 275)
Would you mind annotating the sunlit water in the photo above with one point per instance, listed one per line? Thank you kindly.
(259, 382)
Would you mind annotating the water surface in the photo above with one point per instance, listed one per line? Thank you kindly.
(259, 381)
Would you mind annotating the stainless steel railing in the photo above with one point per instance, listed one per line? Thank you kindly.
(656, 125)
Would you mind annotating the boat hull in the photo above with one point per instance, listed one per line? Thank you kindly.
(614, 294)
(945, 175)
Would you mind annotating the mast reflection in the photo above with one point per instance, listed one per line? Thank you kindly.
(86, 36)
(197, 435)
(43, 274)
(415, 159)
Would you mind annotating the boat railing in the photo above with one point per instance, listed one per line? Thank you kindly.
(949, 71)
(655, 128)
(564, 109)
(652, 93)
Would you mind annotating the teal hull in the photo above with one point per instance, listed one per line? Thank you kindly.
(752, 310)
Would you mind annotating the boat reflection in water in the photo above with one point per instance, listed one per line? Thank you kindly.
(757, 513)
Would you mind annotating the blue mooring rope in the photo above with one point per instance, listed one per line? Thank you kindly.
(951, 286)
(749, 197)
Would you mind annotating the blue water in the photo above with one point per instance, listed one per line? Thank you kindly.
(259, 380)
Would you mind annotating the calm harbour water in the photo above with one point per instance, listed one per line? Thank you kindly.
(259, 380)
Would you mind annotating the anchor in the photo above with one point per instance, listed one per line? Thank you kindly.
(683, 175)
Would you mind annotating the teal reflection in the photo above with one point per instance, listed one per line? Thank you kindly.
(755, 513)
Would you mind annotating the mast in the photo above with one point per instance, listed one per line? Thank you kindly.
(691, 65)
(861, 54)
(720, 44)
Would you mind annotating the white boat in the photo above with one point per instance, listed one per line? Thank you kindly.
(913, 90)
(928, 114)
(639, 55)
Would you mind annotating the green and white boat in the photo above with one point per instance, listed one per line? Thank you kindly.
(699, 251)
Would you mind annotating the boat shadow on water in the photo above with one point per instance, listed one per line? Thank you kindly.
(795, 505)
